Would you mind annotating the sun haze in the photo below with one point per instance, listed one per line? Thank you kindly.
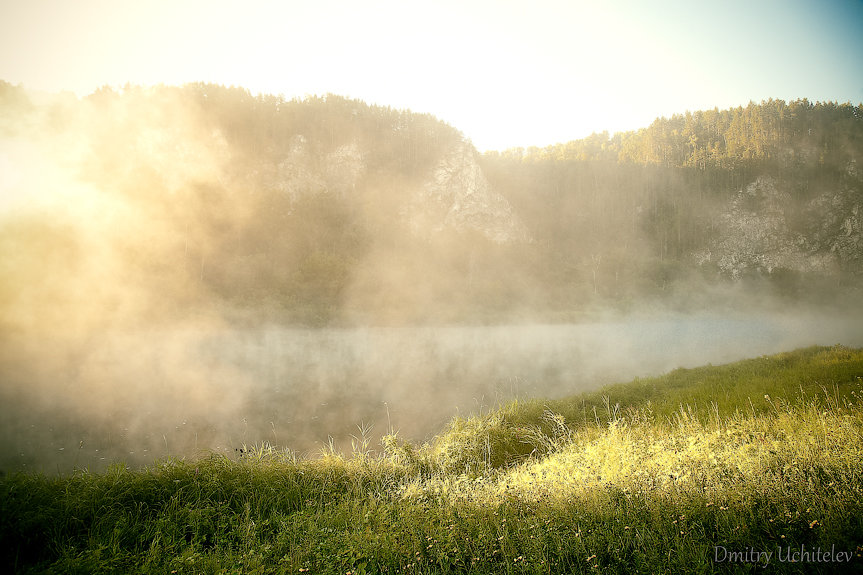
(506, 73)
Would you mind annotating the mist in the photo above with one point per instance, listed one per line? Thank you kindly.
(138, 396)
(195, 269)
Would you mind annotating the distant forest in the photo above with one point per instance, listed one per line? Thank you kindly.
(645, 205)
(291, 208)
(773, 135)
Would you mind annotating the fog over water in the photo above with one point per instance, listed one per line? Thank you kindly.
(156, 245)
(184, 392)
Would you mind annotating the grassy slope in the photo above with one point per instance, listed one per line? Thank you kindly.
(647, 477)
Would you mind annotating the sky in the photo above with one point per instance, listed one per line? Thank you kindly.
(505, 73)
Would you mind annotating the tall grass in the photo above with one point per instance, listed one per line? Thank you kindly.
(648, 477)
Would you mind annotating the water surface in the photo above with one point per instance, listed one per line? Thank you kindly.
(141, 395)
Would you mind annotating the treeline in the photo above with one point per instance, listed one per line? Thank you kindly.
(772, 135)
(264, 126)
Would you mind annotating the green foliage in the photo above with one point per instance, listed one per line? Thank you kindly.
(637, 486)
(772, 134)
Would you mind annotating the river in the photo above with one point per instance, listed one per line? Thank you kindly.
(137, 396)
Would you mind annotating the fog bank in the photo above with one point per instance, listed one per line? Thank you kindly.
(135, 396)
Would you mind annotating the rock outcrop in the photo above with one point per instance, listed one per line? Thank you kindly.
(837, 223)
(755, 234)
(457, 196)
(454, 195)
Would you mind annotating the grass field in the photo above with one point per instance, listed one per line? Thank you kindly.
(697, 471)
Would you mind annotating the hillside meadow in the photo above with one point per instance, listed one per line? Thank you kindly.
(731, 468)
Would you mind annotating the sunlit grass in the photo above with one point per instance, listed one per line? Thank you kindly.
(759, 454)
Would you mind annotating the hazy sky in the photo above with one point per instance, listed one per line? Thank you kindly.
(506, 73)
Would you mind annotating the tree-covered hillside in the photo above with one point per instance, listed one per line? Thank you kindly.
(769, 193)
(206, 196)
(328, 210)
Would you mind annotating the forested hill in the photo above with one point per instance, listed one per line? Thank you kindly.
(769, 193)
(168, 200)
(151, 202)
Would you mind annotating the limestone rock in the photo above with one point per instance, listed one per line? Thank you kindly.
(457, 196)
(755, 236)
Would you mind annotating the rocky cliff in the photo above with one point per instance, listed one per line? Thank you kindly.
(453, 195)
(757, 232)
(457, 196)
(837, 226)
